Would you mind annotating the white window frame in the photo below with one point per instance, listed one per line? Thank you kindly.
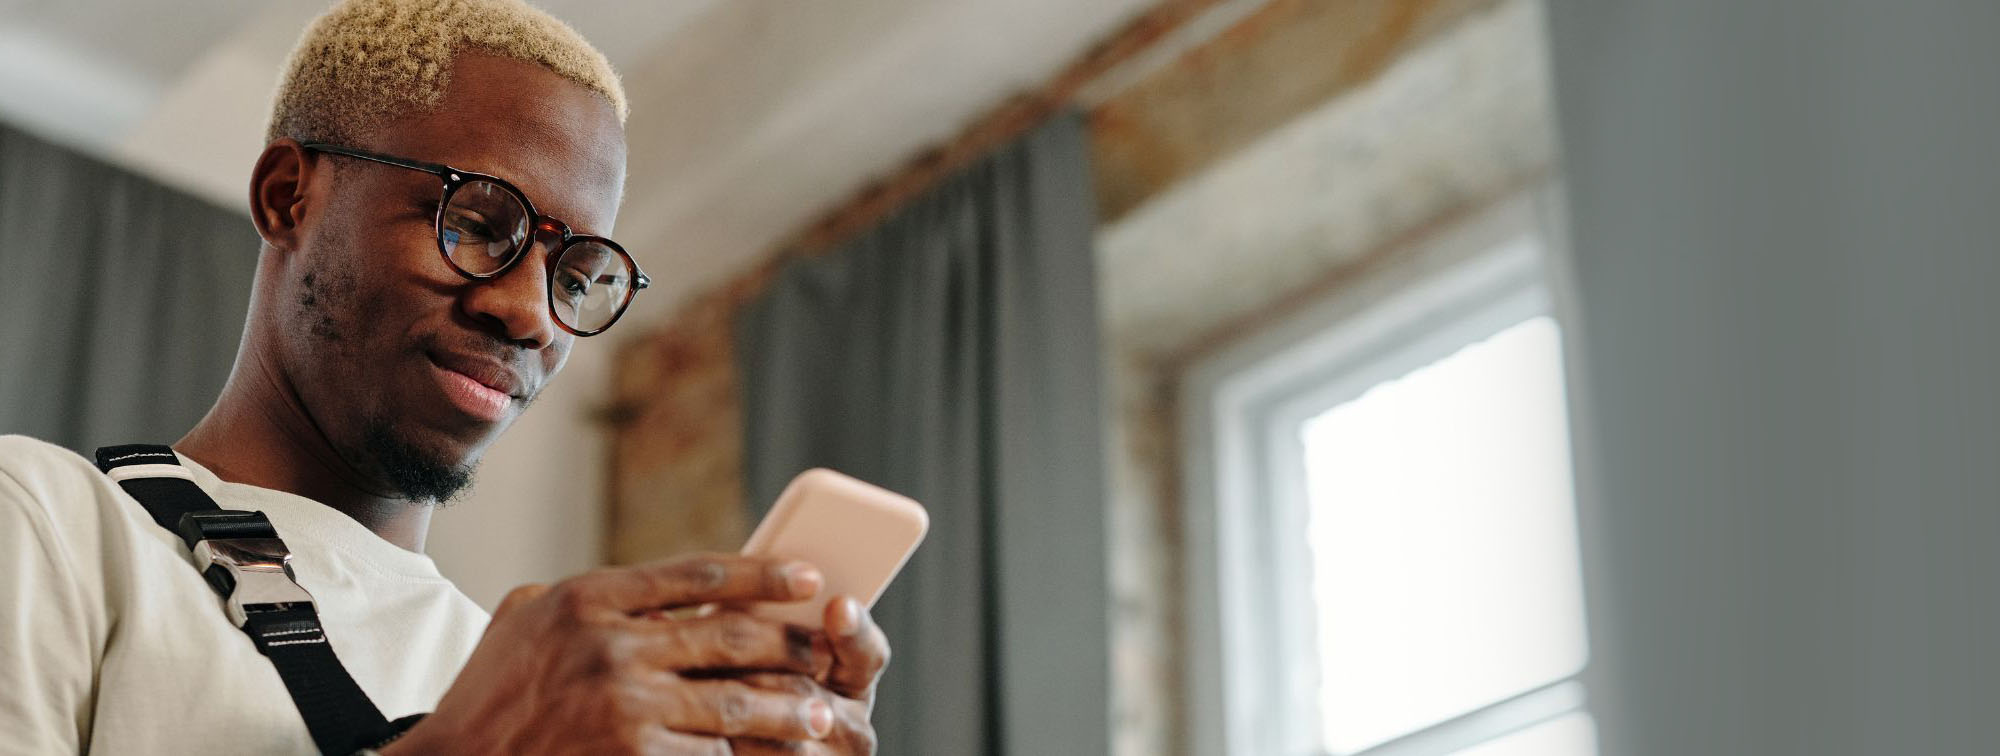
(1249, 617)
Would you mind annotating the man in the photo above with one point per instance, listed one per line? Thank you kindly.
(433, 201)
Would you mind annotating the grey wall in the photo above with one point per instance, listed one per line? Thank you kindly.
(1782, 231)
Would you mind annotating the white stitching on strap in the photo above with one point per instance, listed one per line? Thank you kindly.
(295, 642)
(134, 455)
(276, 633)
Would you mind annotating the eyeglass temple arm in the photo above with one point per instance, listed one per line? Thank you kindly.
(416, 165)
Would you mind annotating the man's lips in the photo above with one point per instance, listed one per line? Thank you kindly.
(481, 388)
(486, 372)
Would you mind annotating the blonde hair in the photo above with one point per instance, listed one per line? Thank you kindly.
(366, 61)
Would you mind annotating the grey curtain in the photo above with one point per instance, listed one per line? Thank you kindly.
(951, 354)
(121, 300)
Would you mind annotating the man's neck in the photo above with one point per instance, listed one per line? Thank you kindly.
(259, 434)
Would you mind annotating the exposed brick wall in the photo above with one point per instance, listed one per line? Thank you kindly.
(1142, 471)
(677, 444)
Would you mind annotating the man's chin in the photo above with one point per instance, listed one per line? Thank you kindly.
(418, 471)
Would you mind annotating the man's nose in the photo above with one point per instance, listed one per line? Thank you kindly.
(514, 305)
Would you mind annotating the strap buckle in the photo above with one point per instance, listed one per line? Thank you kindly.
(244, 560)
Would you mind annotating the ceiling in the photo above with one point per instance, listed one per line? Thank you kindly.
(749, 117)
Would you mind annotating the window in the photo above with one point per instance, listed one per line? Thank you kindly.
(1382, 534)
(1442, 536)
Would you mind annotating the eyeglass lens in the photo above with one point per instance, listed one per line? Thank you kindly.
(591, 284)
(483, 225)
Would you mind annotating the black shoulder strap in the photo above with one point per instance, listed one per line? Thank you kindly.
(241, 556)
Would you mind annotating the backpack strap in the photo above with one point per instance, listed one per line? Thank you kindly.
(248, 565)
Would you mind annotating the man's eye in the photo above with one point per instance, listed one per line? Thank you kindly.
(468, 228)
(572, 284)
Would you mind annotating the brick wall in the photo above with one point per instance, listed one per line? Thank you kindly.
(676, 477)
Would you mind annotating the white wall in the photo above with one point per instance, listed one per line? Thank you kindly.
(1782, 219)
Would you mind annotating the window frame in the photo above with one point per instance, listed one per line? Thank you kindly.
(1243, 476)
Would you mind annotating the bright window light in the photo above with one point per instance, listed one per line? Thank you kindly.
(1444, 547)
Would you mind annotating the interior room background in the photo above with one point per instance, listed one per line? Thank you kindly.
(1172, 259)
(1240, 161)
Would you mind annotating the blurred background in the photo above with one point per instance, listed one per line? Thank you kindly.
(1417, 377)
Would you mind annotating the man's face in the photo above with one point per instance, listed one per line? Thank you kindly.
(395, 356)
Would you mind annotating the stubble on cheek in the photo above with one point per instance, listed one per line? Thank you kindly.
(329, 311)
(331, 315)
(317, 301)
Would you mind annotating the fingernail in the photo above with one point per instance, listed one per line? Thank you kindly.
(819, 718)
(850, 617)
(800, 578)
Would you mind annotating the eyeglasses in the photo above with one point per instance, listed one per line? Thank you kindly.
(484, 226)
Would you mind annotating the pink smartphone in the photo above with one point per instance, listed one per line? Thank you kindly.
(858, 535)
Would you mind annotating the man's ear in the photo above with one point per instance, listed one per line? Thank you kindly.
(278, 192)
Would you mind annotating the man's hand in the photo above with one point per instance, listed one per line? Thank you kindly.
(573, 668)
(860, 651)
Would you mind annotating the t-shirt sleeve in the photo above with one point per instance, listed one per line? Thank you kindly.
(46, 665)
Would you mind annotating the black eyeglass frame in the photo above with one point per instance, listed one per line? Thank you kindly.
(454, 179)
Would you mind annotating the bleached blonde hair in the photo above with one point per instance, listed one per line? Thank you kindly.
(366, 61)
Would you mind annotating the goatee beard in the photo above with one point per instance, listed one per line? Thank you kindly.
(415, 474)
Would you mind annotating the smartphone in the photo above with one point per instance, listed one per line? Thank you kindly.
(858, 535)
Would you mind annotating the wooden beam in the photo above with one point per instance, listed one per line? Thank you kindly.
(1286, 59)
(1020, 114)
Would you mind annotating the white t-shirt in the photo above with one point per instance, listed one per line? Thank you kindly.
(111, 642)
